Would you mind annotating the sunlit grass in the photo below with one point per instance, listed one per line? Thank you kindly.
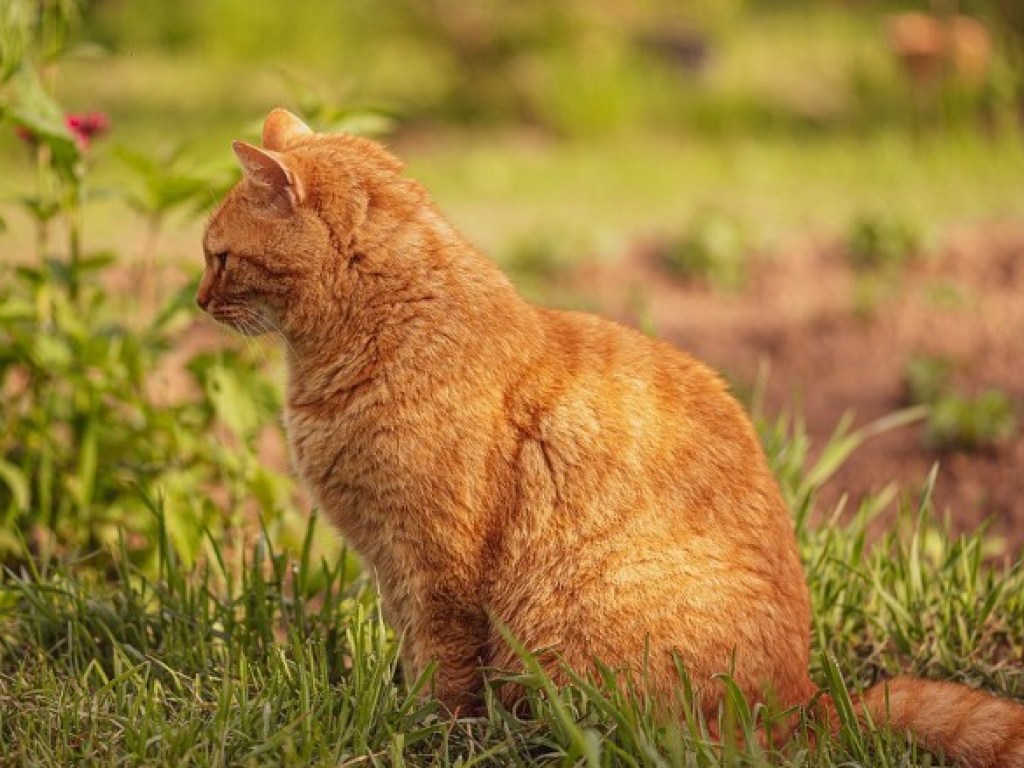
(598, 198)
(275, 660)
(602, 196)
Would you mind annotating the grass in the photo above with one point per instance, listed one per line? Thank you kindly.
(498, 188)
(713, 250)
(258, 659)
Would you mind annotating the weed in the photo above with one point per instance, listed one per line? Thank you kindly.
(872, 291)
(542, 268)
(926, 378)
(947, 295)
(957, 422)
(537, 260)
(713, 250)
(179, 649)
(961, 422)
(82, 435)
(282, 660)
(881, 243)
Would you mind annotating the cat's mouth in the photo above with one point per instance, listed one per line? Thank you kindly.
(243, 319)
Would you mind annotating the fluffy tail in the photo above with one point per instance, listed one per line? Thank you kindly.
(973, 728)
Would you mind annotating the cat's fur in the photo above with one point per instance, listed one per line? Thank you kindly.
(596, 492)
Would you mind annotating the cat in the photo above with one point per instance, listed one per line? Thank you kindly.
(595, 493)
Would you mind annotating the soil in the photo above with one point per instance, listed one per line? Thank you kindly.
(835, 342)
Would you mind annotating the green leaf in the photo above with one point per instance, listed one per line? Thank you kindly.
(41, 209)
(16, 483)
(16, 309)
(270, 489)
(162, 183)
(88, 460)
(35, 110)
(231, 401)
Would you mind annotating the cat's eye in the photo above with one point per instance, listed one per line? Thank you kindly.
(221, 259)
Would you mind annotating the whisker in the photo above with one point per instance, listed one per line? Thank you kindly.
(256, 349)
(243, 331)
(260, 324)
(269, 325)
(251, 330)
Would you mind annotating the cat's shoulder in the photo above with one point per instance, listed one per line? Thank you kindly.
(611, 344)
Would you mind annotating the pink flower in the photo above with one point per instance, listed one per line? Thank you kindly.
(86, 126)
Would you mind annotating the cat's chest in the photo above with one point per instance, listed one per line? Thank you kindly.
(329, 452)
(353, 479)
(354, 464)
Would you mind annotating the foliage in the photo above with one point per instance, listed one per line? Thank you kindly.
(539, 265)
(85, 439)
(1008, 16)
(577, 68)
(84, 436)
(176, 643)
(957, 421)
(881, 243)
(962, 422)
(714, 249)
(926, 378)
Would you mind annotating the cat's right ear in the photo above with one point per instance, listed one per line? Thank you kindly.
(281, 128)
(268, 171)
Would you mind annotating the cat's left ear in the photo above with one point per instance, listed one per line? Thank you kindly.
(267, 170)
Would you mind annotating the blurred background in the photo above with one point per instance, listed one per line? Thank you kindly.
(824, 200)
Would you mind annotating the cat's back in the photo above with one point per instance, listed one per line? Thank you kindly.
(640, 394)
(633, 438)
(640, 482)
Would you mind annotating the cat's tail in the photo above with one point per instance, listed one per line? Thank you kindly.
(973, 728)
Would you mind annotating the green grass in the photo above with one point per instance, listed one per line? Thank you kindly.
(957, 421)
(601, 195)
(257, 659)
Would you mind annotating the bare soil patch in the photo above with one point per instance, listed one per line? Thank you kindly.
(835, 343)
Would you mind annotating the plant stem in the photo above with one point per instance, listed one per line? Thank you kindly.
(43, 194)
(74, 218)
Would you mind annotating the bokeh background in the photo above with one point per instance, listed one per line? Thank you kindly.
(824, 200)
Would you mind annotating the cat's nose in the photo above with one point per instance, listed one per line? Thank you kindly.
(205, 291)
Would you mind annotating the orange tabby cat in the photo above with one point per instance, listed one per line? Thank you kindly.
(596, 492)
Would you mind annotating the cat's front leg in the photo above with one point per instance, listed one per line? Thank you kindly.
(453, 642)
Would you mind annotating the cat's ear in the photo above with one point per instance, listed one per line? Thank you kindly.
(268, 171)
(281, 128)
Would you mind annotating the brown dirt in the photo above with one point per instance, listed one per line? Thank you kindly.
(829, 353)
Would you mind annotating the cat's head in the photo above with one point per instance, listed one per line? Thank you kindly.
(278, 247)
